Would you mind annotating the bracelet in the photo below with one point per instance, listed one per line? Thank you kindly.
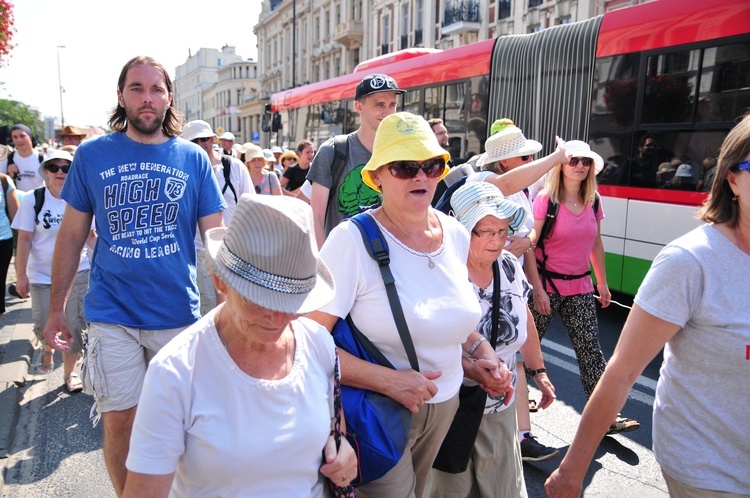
(476, 345)
(537, 371)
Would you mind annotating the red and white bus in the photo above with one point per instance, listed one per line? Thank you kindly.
(654, 88)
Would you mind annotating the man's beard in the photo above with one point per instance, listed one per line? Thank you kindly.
(142, 127)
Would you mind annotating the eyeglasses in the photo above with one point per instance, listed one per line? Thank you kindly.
(202, 140)
(54, 168)
(743, 166)
(490, 234)
(585, 161)
(404, 170)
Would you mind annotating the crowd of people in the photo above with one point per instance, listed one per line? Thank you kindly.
(214, 274)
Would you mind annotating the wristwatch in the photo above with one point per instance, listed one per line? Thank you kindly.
(476, 345)
(537, 371)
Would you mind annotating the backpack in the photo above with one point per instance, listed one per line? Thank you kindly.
(340, 159)
(38, 202)
(226, 166)
(444, 203)
(13, 153)
(546, 232)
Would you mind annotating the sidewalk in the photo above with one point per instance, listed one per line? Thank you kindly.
(16, 357)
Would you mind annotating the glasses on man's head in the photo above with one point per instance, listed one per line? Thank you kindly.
(54, 168)
(743, 166)
(201, 140)
(404, 170)
(585, 161)
(490, 234)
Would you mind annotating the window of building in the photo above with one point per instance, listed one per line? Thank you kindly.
(385, 48)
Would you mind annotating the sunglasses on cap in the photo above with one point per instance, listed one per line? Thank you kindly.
(585, 161)
(201, 140)
(743, 166)
(404, 170)
(54, 168)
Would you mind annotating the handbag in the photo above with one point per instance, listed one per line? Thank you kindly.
(335, 490)
(455, 451)
(377, 426)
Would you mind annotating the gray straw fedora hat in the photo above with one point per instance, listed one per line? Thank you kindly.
(473, 201)
(268, 255)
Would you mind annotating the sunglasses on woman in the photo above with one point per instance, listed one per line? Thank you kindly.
(404, 170)
(202, 140)
(586, 161)
(54, 168)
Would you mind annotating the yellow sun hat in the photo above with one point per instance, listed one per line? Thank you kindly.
(403, 136)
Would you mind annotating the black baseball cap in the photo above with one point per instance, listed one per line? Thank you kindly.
(376, 83)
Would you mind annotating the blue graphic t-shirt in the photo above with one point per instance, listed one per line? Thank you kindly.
(146, 200)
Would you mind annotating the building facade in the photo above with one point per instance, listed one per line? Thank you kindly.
(198, 74)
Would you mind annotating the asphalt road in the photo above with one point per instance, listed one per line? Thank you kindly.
(56, 451)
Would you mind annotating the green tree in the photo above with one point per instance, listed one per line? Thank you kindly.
(12, 112)
(7, 29)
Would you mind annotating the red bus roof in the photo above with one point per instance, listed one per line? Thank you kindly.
(666, 23)
(401, 55)
(443, 67)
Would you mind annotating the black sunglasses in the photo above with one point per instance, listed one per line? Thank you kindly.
(54, 168)
(525, 158)
(586, 161)
(201, 140)
(404, 170)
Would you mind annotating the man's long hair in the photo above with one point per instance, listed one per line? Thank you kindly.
(172, 124)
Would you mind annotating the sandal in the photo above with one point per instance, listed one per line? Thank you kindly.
(622, 424)
(532, 406)
(73, 383)
(47, 366)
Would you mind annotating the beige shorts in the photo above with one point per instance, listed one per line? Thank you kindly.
(679, 490)
(40, 295)
(115, 363)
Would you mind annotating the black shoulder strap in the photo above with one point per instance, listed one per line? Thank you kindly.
(378, 250)
(546, 231)
(495, 301)
(226, 166)
(10, 157)
(38, 202)
(596, 204)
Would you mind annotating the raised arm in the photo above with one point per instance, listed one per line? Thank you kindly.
(521, 177)
(643, 336)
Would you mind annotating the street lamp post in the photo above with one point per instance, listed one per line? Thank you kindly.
(59, 81)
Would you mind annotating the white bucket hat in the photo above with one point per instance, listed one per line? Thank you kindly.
(473, 201)
(252, 151)
(507, 141)
(51, 156)
(197, 129)
(578, 148)
(268, 255)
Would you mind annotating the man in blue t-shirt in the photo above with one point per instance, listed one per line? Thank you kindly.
(146, 189)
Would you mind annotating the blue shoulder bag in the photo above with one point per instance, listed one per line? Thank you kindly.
(377, 426)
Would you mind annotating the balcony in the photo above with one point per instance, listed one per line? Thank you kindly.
(349, 34)
(461, 17)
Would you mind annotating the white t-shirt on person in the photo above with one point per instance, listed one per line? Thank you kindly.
(28, 172)
(440, 306)
(225, 433)
(39, 265)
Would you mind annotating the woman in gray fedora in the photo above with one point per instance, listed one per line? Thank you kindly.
(240, 404)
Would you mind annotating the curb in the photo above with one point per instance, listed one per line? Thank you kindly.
(16, 359)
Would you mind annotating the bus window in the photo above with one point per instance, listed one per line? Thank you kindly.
(476, 119)
(411, 102)
(725, 83)
(454, 96)
(670, 87)
(352, 118)
(432, 102)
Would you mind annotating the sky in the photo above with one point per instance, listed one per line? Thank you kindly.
(100, 36)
